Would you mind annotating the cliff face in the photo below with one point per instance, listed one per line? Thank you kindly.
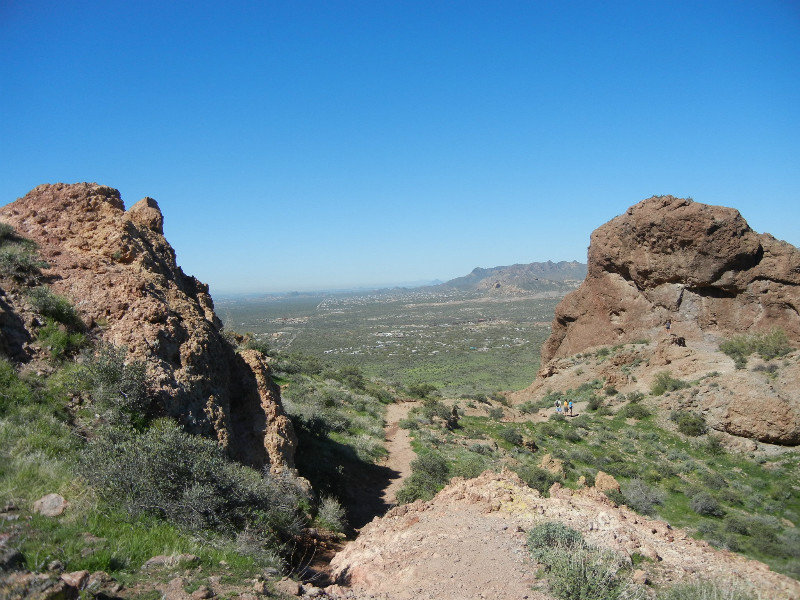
(667, 258)
(122, 276)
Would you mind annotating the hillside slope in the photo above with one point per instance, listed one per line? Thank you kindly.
(521, 278)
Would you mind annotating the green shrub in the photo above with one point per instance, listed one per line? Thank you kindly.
(117, 386)
(187, 480)
(261, 346)
(768, 345)
(595, 402)
(713, 446)
(706, 505)
(511, 435)
(634, 411)
(430, 472)
(574, 569)
(641, 497)
(706, 590)
(20, 261)
(536, 477)
(496, 413)
(433, 408)
(58, 340)
(665, 382)
(331, 514)
(420, 390)
(689, 423)
(551, 534)
(55, 307)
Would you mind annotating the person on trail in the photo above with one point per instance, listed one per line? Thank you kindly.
(668, 324)
(565, 408)
(570, 408)
(558, 407)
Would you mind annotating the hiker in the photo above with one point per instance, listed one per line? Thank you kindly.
(668, 324)
(570, 408)
(558, 407)
(565, 408)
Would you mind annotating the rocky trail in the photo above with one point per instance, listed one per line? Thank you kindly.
(398, 443)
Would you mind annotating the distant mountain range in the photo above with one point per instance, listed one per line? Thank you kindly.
(531, 277)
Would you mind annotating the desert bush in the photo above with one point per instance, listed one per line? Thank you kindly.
(689, 423)
(706, 590)
(331, 514)
(713, 445)
(706, 505)
(433, 408)
(55, 307)
(595, 402)
(511, 435)
(188, 480)
(421, 390)
(59, 340)
(551, 534)
(665, 382)
(262, 346)
(634, 411)
(430, 472)
(635, 397)
(576, 570)
(536, 477)
(737, 523)
(495, 413)
(641, 497)
(768, 345)
(117, 386)
(20, 261)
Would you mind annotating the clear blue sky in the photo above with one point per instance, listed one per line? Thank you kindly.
(307, 145)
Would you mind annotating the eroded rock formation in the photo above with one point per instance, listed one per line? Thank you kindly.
(668, 258)
(122, 275)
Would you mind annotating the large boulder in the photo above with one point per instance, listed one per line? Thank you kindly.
(123, 277)
(667, 258)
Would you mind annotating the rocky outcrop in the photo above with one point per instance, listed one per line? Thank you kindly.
(469, 542)
(668, 258)
(122, 275)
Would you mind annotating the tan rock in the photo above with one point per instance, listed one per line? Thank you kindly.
(76, 579)
(51, 505)
(553, 465)
(605, 482)
(288, 586)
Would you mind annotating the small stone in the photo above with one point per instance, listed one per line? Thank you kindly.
(312, 591)
(640, 577)
(261, 587)
(55, 565)
(76, 579)
(50, 505)
(203, 593)
(288, 586)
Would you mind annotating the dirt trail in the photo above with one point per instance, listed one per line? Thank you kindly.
(398, 443)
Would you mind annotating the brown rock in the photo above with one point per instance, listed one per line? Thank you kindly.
(288, 586)
(640, 577)
(554, 465)
(120, 271)
(76, 579)
(605, 482)
(51, 505)
(203, 593)
(700, 266)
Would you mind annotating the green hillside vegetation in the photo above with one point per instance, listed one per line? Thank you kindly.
(461, 342)
(743, 504)
(139, 486)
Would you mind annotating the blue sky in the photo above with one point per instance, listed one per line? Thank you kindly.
(307, 145)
